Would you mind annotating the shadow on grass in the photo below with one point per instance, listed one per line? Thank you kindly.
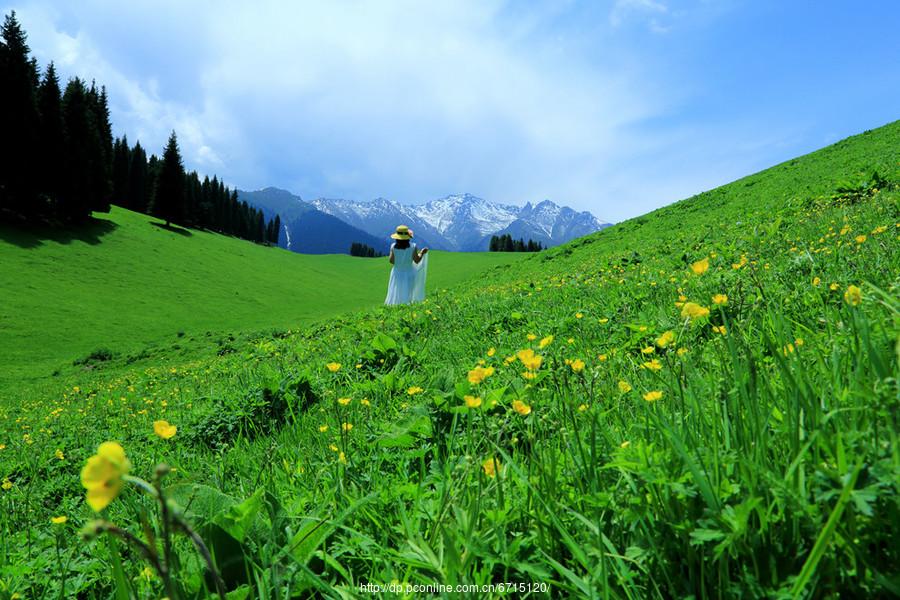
(173, 228)
(33, 235)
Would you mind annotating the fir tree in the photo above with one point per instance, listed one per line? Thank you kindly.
(137, 180)
(75, 198)
(18, 120)
(121, 168)
(51, 155)
(168, 202)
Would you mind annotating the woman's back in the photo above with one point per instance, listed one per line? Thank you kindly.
(403, 257)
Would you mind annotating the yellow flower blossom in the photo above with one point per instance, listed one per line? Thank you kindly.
(720, 329)
(479, 374)
(682, 351)
(333, 367)
(531, 360)
(102, 475)
(531, 337)
(365, 402)
(693, 311)
(521, 408)
(602, 357)
(490, 467)
(472, 401)
(577, 365)
(59, 454)
(342, 458)
(653, 365)
(546, 341)
(860, 239)
(665, 339)
(853, 295)
(412, 391)
(582, 407)
(343, 401)
(491, 351)
(720, 299)
(816, 281)
(7, 484)
(164, 430)
(624, 444)
(701, 266)
(579, 315)
(624, 386)
(653, 396)
(648, 350)
(323, 428)
(59, 520)
(346, 426)
(834, 287)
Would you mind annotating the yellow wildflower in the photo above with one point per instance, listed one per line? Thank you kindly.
(653, 396)
(491, 351)
(577, 365)
(472, 401)
(834, 287)
(647, 350)
(164, 430)
(59, 454)
(346, 426)
(653, 365)
(582, 407)
(491, 466)
(860, 239)
(412, 391)
(816, 281)
(365, 402)
(531, 337)
(720, 329)
(343, 401)
(720, 299)
(342, 458)
(479, 374)
(521, 408)
(701, 266)
(333, 367)
(694, 311)
(853, 295)
(682, 351)
(578, 315)
(602, 357)
(624, 386)
(624, 444)
(323, 428)
(546, 341)
(59, 520)
(7, 484)
(102, 475)
(665, 339)
(531, 360)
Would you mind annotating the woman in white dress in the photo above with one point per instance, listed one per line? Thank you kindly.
(407, 282)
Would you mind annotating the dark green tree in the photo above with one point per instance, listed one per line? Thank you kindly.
(138, 180)
(51, 155)
(19, 122)
(121, 168)
(168, 201)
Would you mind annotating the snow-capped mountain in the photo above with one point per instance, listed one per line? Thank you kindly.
(465, 222)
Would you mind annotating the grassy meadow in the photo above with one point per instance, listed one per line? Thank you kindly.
(138, 291)
(700, 402)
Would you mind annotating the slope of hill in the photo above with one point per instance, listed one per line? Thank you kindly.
(128, 282)
(700, 402)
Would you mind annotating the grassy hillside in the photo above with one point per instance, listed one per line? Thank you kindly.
(127, 283)
(701, 402)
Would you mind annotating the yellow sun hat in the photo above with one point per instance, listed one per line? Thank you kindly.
(403, 233)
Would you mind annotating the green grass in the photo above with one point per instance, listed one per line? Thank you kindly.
(755, 455)
(126, 283)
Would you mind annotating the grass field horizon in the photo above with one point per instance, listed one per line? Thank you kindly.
(128, 285)
(699, 402)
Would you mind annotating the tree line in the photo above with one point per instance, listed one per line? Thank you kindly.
(59, 161)
(364, 250)
(505, 243)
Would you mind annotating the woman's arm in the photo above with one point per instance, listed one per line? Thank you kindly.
(392, 254)
(417, 256)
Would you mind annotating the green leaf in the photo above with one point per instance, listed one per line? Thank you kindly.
(238, 518)
(383, 344)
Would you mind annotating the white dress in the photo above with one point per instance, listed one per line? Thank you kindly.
(407, 282)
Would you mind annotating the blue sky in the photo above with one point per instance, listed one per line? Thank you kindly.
(617, 107)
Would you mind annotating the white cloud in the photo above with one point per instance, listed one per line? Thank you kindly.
(649, 9)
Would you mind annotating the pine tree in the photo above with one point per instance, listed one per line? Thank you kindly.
(18, 121)
(51, 155)
(138, 180)
(75, 197)
(121, 167)
(98, 144)
(168, 202)
(276, 231)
